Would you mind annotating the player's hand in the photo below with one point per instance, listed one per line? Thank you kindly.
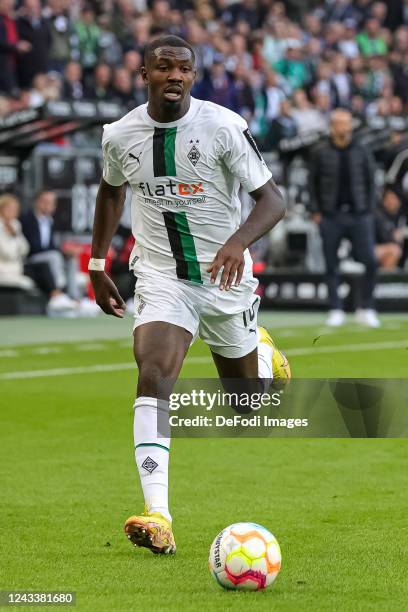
(317, 217)
(231, 258)
(107, 296)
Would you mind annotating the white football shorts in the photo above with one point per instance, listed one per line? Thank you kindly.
(225, 320)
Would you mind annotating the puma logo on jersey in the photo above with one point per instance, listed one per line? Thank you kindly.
(136, 157)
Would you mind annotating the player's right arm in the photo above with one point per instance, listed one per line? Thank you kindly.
(108, 211)
(109, 207)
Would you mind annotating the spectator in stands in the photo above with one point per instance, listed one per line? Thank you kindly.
(397, 175)
(87, 34)
(399, 64)
(322, 83)
(357, 107)
(307, 117)
(72, 85)
(110, 48)
(389, 221)
(161, 16)
(283, 126)
(123, 87)
(13, 246)
(378, 76)
(342, 194)
(275, 41)
(274, 95)
(5, 106)
(123, 21)
(61, 32)
(33, 28)
(333, 34)
(132, 61)
(348, 46)
(340, 10)
(379, 11)
(362, 11)
(247, 10)
(370, 40)
(140, 90)
(37, 226)
(238, 53)
(394, 14)
(292, 67)
(340, 82)
(45, 87)
(11, 48)
(217, 86)
(244, 94)
(13, 249)
(101, 88)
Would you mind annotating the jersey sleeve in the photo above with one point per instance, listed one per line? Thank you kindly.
(240, 154)
(112, 172)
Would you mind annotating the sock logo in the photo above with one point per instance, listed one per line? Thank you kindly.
(149, 465)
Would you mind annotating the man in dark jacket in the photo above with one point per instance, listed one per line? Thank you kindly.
(11, 47)
(37, 226)
(33, 28)
(342, 191)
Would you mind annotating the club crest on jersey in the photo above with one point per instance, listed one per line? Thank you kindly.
(194, 153)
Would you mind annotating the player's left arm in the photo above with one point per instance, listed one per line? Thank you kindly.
(269, 209)
(239, 153)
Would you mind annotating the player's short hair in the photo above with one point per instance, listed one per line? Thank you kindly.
(166, 41)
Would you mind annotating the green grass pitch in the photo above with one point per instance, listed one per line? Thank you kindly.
(68, 480)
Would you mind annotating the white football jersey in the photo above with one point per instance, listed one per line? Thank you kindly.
(185, 177)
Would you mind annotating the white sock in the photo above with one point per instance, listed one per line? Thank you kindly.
(265, 370)
(152, 455)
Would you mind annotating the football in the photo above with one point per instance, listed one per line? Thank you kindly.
(245, 556)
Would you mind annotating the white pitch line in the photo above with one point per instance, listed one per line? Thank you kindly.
(8, 353)
(117, 367)
(46, 350)
(90, 347)
(346, 348)
(108, 367)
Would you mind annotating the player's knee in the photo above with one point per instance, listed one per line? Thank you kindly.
(151, 379)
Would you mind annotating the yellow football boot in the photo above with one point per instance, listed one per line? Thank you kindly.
(280, 363)
(152, 531)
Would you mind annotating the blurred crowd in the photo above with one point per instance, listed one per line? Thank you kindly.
(282, 65)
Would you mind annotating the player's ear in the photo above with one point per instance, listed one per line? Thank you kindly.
(143, 72)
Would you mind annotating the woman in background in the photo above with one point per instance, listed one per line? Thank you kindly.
(13, 245)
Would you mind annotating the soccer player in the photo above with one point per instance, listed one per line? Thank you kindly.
(184, 160)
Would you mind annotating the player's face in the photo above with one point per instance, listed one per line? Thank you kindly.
(169, 75)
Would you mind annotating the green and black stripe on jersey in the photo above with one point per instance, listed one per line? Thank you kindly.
(164, 151)
(182, 246)
(178, 230)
